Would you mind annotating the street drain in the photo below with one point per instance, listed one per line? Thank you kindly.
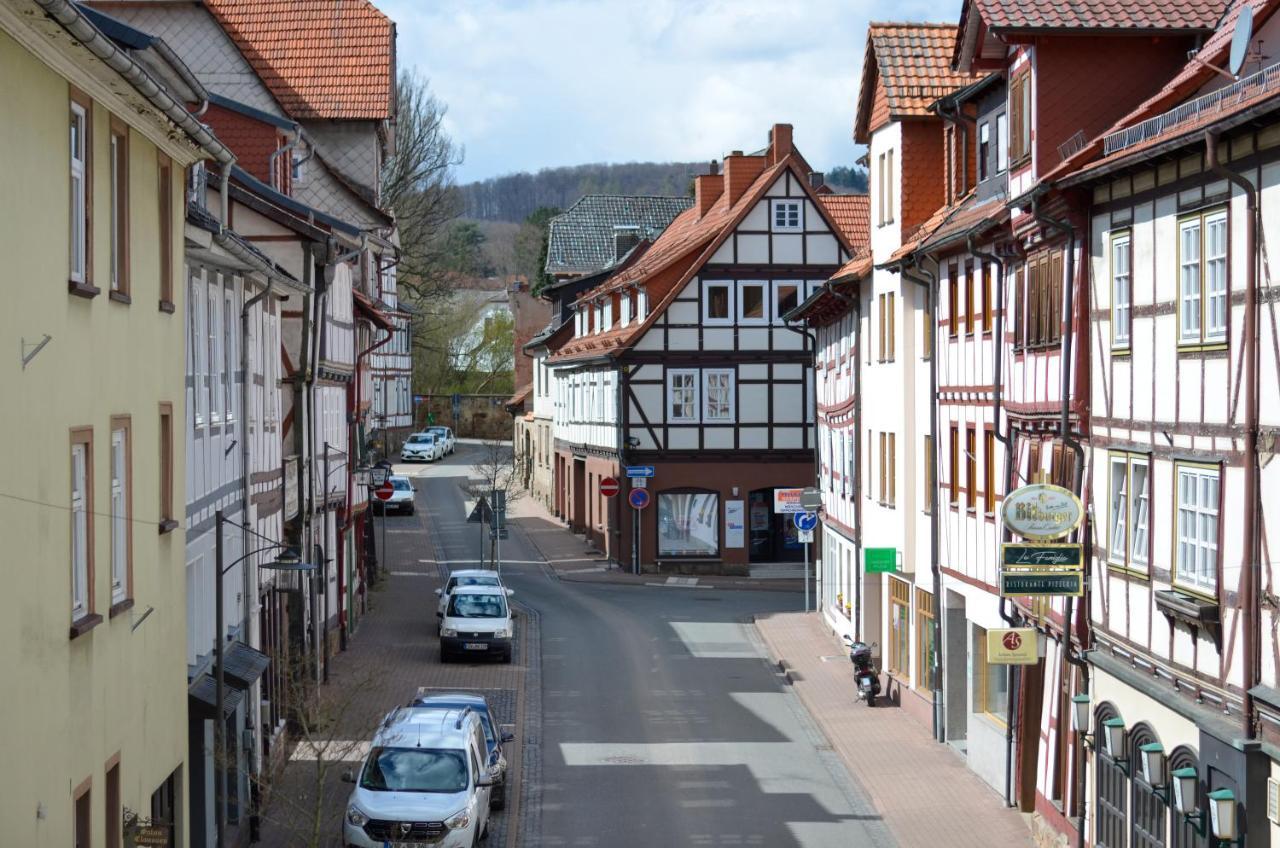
(624, 760)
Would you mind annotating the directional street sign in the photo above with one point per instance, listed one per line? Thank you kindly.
(805, 521)
(639, 470)
(811, 499)
(609, 487)
(638, 498)
(385, 491)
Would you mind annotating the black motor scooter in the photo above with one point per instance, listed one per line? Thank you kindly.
(864, 673)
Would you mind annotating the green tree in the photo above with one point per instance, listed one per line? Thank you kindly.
(462, 249)
(531, 247)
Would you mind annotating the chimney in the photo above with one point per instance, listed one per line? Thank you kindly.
(740, 172)
(780, 146)
(625, 237)
(817, 180)
(707, 188)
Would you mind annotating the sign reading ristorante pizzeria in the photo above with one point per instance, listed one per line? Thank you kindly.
(1041, 511)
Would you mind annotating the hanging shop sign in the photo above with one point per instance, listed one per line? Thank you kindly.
(1041, 584)
(1012, 646)
(1042, 556)
(880, 560)
(1041, 511)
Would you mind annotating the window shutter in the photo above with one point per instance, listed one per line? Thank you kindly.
(1055, 274)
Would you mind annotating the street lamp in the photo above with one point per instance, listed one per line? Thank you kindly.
(286, 560)
(1080, 710)
(1114, 738)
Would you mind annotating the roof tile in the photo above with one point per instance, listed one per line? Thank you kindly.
(580, 240)
(852, 214)
(1101, 14)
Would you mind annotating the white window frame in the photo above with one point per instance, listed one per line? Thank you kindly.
(1204, 286)
(1002, 142)
(119, 514)
(229, 359)
(624, 307)
(80, 523)
(79, 212)
(791, 212)
(730, 386)
(642, 304)
(1129, 511)
(984, 138)
(1216, 284)
(1121, 289)
(607, 311)
(117, 226)
(778, 286)
(694, 386)
(765, 317)
(213, 316)
(728, 286)
(1195, 541)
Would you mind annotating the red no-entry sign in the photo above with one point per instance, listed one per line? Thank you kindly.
(385, 491)
(609, 487)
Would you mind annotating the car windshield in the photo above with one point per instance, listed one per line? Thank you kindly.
(486, 723)
(402, 485)
(455, 582)
(415, 770)
(477, 606)
(420, 438)
(439, 431)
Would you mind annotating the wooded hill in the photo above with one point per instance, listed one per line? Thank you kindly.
(513, 197)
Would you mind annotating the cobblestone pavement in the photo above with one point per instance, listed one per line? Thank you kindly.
(888, 751)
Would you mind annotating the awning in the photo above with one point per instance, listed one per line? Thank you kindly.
(242, 665)
(202, 698)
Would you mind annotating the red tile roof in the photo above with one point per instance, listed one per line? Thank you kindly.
(913, 62)
(1101, 14)
(852, 215)
(917, 237)
(971, 216)
(1187, 82)
(322, 59)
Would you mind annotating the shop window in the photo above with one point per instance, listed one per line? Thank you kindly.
(688, 524)
(990, 682)
(925, 676)
(900, 629)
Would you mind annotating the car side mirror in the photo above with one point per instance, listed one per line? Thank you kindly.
(507, 736)
(484, 780)
(348, 776)
(439, 592)
(510, 592)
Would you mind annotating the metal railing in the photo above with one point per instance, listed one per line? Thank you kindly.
(1267, 79)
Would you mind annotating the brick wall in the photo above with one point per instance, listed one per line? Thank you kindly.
(252, 141)
(923, 162)
(529, 315)
(879, 107)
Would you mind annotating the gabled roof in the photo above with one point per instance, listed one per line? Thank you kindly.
(913, 62)
(580, 239)
(1138, 15)
(971, 217)
(322, 59)
(1154, 122)
(852, 215)
(917, 237)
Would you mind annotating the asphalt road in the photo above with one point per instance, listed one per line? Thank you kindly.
(662, 720)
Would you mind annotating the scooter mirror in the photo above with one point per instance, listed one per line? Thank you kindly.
(847, 640)
(875, 644)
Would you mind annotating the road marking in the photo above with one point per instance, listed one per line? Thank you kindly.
(413, 574)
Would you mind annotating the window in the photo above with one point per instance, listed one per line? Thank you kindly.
(115, 816)
(954, 482)
(1202, 278)
(84, 817)
(990, 682)
(970, 466)
(786, 297)
(926, 327)
(1128, 507)
(213, 358)
(1044, 298)
(1196, 566)
(753, 302)
(121, 514)
(969, 281)
(229, 350)
(119, 209)
(717, 394)
(1002, 143)
(788, 215)
(81, 523)
(953, 298)
(900, 629)
(893, 470)
(682, 395)
(81, 163)
(1020, 117)
(717, 302)
(985, 283)
(688, 524)
(885, 188)
(984, 150)
(166, 464)
(929, 482)
(1019, 327)
(890, 321)
(624, 309)
(989, 472)
(883, 483)
(165, 180)
(1121, 289)
(925, 677)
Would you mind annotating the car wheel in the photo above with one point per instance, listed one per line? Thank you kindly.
(498, 798)
(484, 833)
(410, 510)
(506, 658)
(445, 656)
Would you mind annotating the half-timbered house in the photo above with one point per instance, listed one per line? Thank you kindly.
(681, 361)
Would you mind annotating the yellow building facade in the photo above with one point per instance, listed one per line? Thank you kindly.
(93, 725)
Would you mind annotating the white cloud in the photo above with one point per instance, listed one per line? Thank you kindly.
(539, 83)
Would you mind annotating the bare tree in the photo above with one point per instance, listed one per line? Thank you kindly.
(498, 467)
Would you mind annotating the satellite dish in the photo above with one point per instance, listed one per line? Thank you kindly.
(1240, 39)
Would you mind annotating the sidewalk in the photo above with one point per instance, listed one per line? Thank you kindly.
(925, 792)
(569, 557)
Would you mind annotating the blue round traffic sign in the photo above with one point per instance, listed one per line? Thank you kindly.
(638, 498)
(805, 520)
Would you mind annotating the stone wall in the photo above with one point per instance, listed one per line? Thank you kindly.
(479, 416)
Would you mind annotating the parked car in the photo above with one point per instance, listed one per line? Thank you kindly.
(421, 447)
(477, 622)
(401, 500)
(445, 436)
(423, 782)
(494, 736)
(465, 577)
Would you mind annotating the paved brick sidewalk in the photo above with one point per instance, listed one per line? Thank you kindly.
(925, 792)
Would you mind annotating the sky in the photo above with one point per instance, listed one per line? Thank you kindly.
(541, 83)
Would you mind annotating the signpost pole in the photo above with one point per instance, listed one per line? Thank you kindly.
(806, 576)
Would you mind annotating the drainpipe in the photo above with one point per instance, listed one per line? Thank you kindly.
(811, 341)
(342, 612)
(929, 282)
(275, 154)
(620, 436)
(1248, 575)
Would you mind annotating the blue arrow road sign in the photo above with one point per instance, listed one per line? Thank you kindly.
(639, 470)
(638, 498)
(805, 520)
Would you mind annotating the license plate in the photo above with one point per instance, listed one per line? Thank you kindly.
(475, 646)
(405, 844)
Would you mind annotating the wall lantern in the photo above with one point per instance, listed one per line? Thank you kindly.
(1222, 815)
(1151, 758)
(1080, 711)
(1113, 737)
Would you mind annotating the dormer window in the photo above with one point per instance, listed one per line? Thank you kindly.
(984, 150)
(624, 308)
(788, 216)
(1002, 143)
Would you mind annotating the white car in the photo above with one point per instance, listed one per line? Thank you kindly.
(477, 622)
(424, 782)
(445, 436)
(465, 577)
(421, 447)
(401, 500)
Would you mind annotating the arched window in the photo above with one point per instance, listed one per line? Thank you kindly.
(1182, 834)
(1150, 812)
(1112, 786)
